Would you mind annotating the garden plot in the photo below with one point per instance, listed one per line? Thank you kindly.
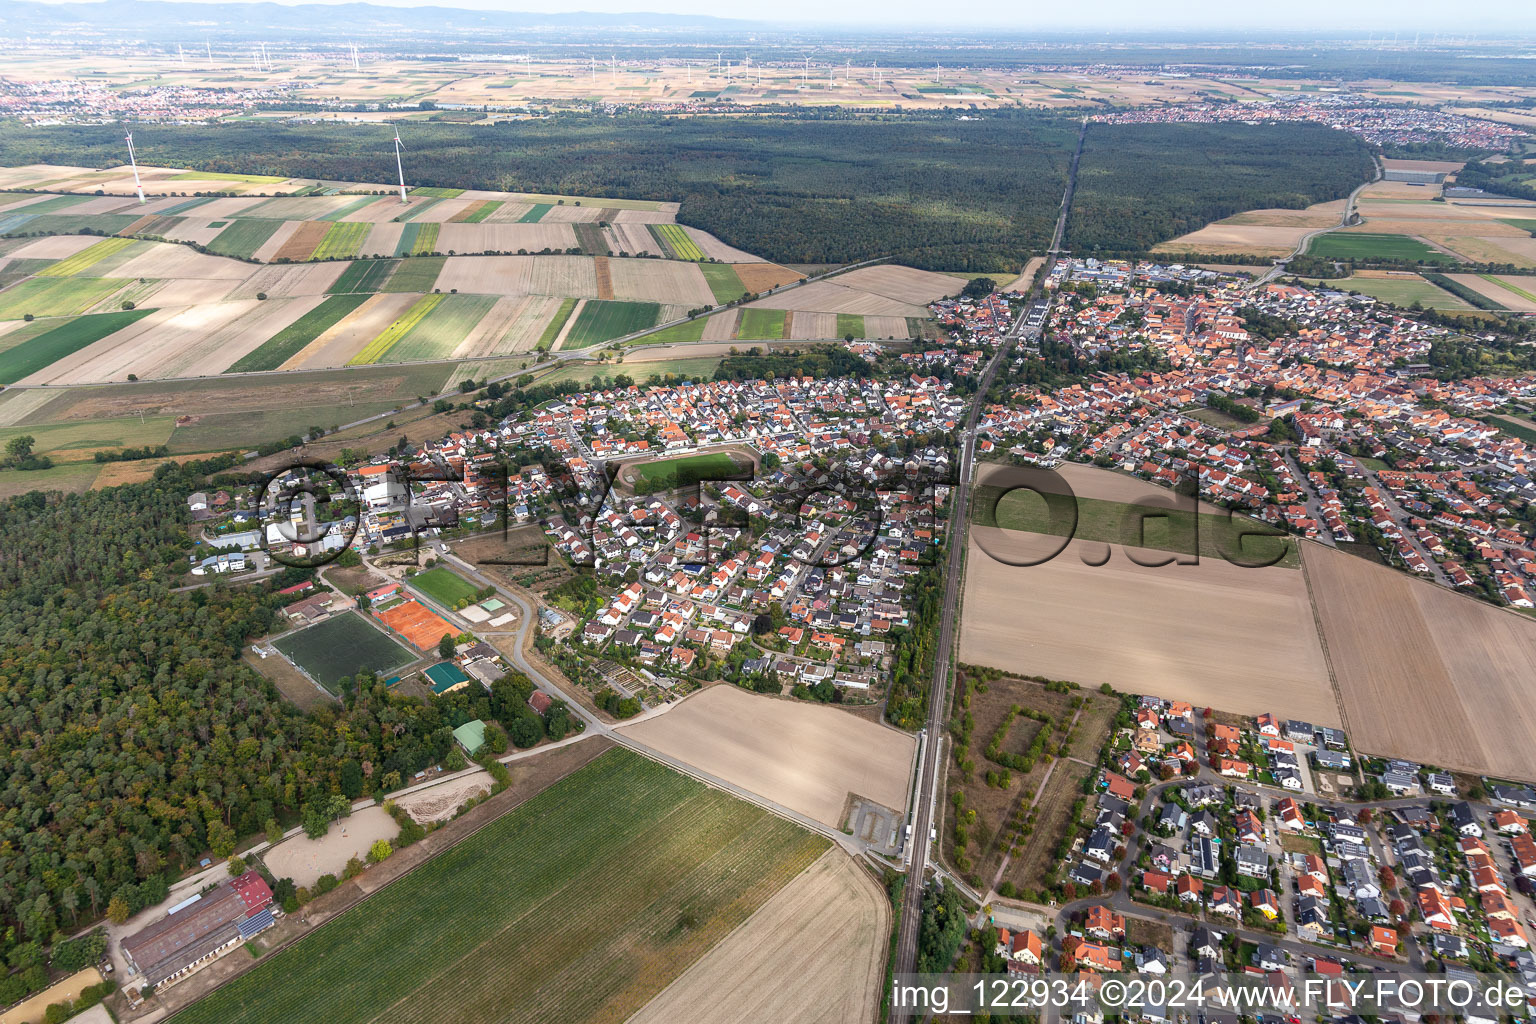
(337, 345)
(286, 282)
(660, 281)
(505, 237)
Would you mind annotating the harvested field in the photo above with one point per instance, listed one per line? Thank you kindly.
(304, 859)
(905, 284)
(817, 325)
(665, 281)
(715, 249)
(1213, 634)
(281, 282)
(832, 297)
(438, 803)
(305, 238)
(520, 922)
(40, 352)
(886, 327)
(808, 758)
(1426, 673)
(721, 326)
(421, 627)
(631, 238)
(396, 332)
(825, 930)
(383, 240)
(505, 237)
(198, 357)
(1517, 293)
(520, 275)
(54, 247)
(164, 260)
(759, 277)
(532, 320)
(485, 337)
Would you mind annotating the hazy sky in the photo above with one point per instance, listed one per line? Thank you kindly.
(1489, 18)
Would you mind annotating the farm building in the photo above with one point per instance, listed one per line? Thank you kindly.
(471, 736)
(1414, 177)
(446, 677)
(197, 931)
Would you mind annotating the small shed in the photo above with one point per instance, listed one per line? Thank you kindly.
(470, 736)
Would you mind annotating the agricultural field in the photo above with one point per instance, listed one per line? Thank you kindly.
(850, 323)
(603, 320)
(56, 296)
(535, 213)
(415, 275)
(741, 737)
(342, 241)
(580, 904)
(669, 474)
(444, 586)
(1424, 672)
(723, 281)
(397, 331)
(761, 324)
(683, 333)
(79, 440)
(439, 333)
(291, 339)
(436, 192)
(556, 324)
(86, 258)
(243, 237)
(22, 358)
(1400, 288)
(343, 645)
(366, 276)
(826, 930)
(1515, 293)
(677, 242)
(1270, 232)
(1365, 246)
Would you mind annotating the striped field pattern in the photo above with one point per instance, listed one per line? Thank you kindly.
(375, 349)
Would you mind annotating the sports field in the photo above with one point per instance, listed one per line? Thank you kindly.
(579, 905)
(1362, 246)
(281, 346)
(649, 477)
(444, 586)
(602, 320)
(419, 625)
(343, 646)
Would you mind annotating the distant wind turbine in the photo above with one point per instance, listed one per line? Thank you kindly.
(399, 166)
(134, 160)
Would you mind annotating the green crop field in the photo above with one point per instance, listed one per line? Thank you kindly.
(445, 586)
(52, 345)
(601, 320)
(669, 474)
(688, 330)
(343, 212)
(77, 224)
(395, 332)
(580, 904)
(761, 324)
(556, 322)
(415, 275)
(1344, 246)
(446, 325)
(244, 237)
(435, 192)
(418, 208)
(343, 240)
(850, 323)
(1162, 530)
(343, 646)
(723, 281)
(1399, 291)
(79, 440)
(279, 348)
(57, 204)
(535, 213)
(56, 296)
(86, 258)
(677, 241)
(425, 242)
(1523, 223)
(363, 276)
(484, 210)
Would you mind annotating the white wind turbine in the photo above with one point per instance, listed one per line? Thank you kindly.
(133, 159)
(399, 166)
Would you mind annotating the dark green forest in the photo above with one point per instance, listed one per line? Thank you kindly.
(932, 191)
(135, 741)
(1140, 184)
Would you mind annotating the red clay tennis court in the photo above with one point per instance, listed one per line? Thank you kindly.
(416, 624)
